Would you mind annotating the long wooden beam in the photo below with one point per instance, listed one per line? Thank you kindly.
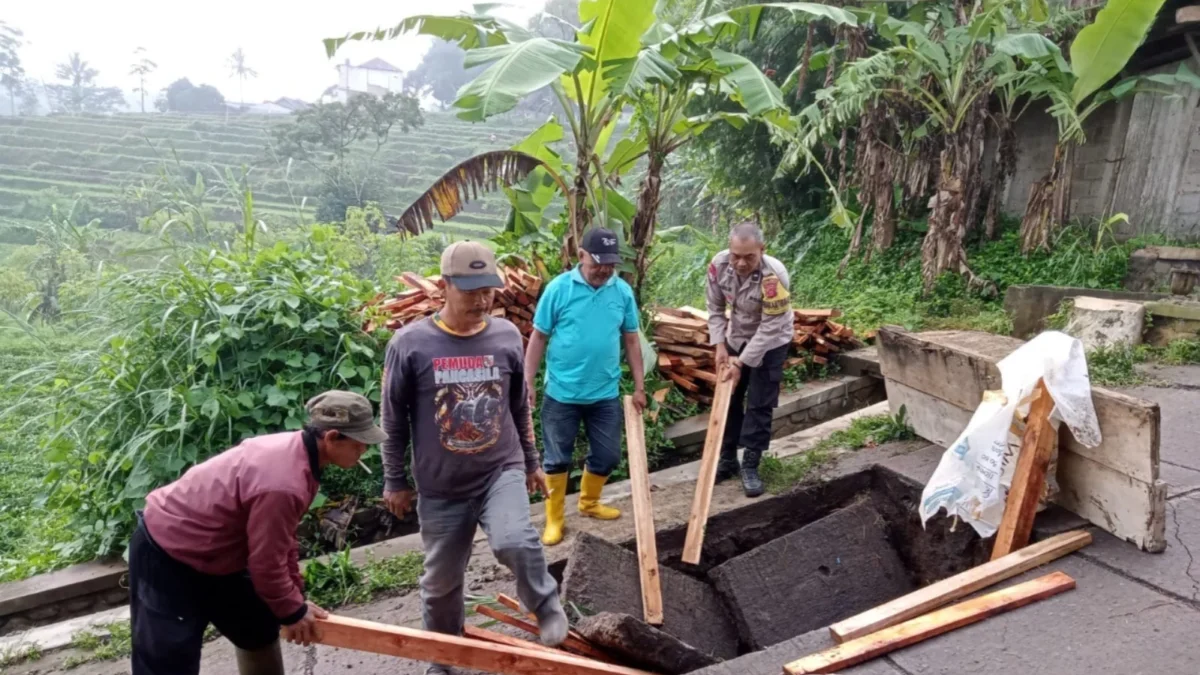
(958, 586)
(702, 499)
(452, 650)
(1020, 507)
(512, 603)
(921, 628)
(572, 643)
(643, 514)
(477, 633)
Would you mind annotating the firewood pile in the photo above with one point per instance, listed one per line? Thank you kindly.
(686, 358)
(426, 295)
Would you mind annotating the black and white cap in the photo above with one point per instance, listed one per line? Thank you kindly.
(602, 245)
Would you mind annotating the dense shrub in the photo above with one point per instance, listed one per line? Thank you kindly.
(217, 347)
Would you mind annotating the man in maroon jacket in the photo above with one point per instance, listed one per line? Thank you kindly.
(219, 545)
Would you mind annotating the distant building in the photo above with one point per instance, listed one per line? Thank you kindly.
(280, 106)
(375, 77)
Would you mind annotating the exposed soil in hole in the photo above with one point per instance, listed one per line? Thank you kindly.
(790, 564)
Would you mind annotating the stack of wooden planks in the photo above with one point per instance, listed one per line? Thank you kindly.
(426, 295)
(686, 358)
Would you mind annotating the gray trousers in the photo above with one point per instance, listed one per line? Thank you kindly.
(447, 529)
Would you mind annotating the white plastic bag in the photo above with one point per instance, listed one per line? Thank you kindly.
(974, 474)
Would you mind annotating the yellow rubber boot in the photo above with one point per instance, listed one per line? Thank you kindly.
(554, 508)
(589, 498)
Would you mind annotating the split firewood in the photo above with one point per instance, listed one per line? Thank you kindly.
(687, 359)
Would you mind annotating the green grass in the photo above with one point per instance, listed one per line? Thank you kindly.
(19, 654)
(781, 474)
(106, 642)
(338, 581)
(29, 529)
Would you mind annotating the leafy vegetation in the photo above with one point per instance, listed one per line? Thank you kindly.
(209, 350)
(780, 474)
(338, 581)
(106, 642)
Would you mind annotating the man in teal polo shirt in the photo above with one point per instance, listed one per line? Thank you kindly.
(584, 315)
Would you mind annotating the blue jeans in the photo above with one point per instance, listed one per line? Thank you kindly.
(447, 530)
(560, 426)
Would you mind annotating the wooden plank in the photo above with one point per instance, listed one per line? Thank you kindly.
(698, 374)
(417, 281)
(693, 313)
(574, 641)
(959, 586)
(958, 366)
(688, 351)
(1128, 508)
(505, 618)
(702, 499)
(1020, 506)
(664, 361)
(680, 322)
(452, 650)
(512, 603)
(683, 382)
(643, 514)
(477, 633)
(936, 623)
(688, 362)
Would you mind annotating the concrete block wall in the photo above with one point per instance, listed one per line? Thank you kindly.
(1141, 158)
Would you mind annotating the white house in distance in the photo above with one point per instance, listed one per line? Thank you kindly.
(376, 77)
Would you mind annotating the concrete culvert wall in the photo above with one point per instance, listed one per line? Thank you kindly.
(772, 571)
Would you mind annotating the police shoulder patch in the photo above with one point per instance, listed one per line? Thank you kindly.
(776, 299)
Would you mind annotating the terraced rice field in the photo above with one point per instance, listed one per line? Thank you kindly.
(102, 157)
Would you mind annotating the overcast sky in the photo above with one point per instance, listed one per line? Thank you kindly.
(281, 40)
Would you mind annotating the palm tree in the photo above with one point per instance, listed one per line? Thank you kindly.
(238, 67)
(141, 69)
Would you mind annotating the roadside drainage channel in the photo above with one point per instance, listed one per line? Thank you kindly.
(770, 571)
(84, 589)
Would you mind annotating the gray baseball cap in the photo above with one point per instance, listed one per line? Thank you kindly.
(470, 265)
(347, 413)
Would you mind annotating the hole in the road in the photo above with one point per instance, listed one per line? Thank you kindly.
(786, 565)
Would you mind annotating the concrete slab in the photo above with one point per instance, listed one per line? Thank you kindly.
(1176, 570)
(642, 644)
(1108, 625)
(603, 577)
(826, 571)
(771, 660)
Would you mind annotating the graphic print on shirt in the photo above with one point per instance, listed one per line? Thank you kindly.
(467, 405)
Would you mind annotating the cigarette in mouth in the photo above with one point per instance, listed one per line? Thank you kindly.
(364, 466)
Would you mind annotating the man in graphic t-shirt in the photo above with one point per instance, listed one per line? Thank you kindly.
(453, 384)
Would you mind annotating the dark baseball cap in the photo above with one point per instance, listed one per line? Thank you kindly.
(347, 413)
(470, 265)
(602, 244)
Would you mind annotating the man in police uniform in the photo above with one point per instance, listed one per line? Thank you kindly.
(753, 342)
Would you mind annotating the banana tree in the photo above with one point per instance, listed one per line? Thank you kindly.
(686, 65)
(1078, 89)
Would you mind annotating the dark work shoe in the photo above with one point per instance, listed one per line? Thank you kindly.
(752, 485)
(727, 470)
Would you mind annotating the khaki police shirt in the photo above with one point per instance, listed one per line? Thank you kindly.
(760, 317)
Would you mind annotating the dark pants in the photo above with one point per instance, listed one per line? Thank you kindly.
(750, 409)
(171, 604)
(560, 427)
